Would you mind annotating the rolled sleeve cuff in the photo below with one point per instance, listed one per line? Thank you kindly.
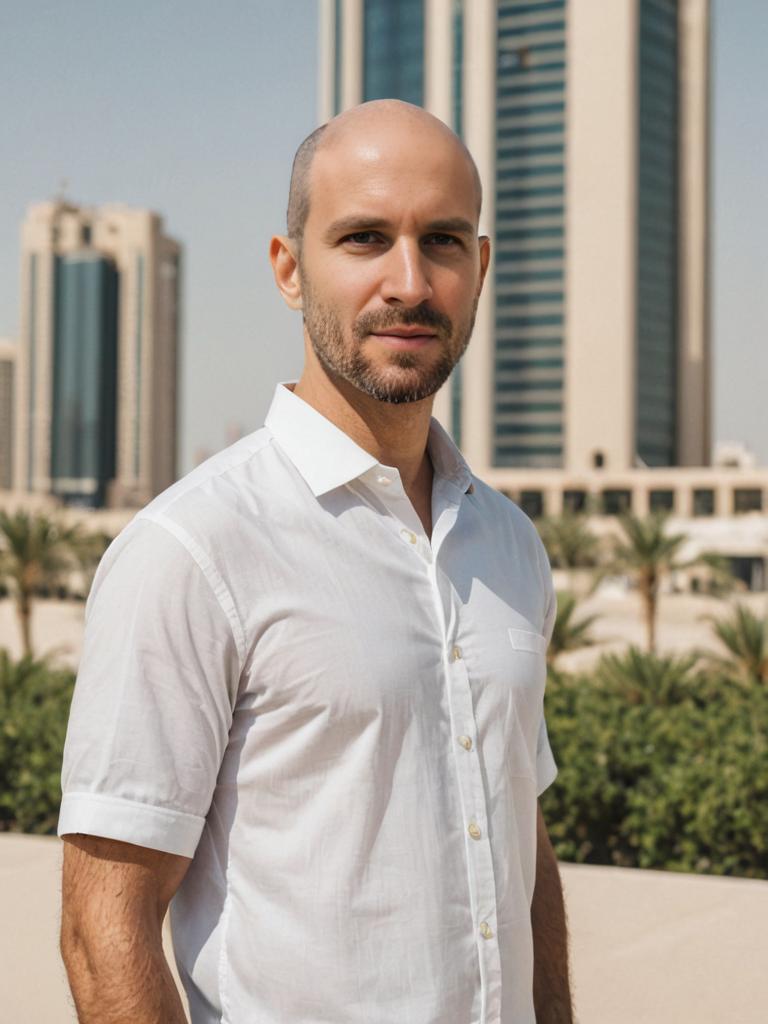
(158, 828)
(546, 770)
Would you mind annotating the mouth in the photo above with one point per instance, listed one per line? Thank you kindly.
(405, 337)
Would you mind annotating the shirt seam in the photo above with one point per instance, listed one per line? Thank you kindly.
(212, 576)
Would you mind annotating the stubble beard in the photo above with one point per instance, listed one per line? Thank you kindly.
(405, 378)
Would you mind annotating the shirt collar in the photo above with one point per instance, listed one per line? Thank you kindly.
(327, 457)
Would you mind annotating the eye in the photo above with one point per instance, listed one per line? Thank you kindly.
(442, 240)
(361, 238)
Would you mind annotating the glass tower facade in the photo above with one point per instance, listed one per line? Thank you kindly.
(393, 50)
(84, 378)
(657, 234)
(530, 182)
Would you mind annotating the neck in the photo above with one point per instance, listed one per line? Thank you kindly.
(396, 435)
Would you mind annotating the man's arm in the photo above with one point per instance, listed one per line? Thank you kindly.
(551, 984)
(114, 899)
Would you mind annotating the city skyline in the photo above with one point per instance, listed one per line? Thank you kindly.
(219, 174)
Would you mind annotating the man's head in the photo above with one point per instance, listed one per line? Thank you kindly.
(382, 253)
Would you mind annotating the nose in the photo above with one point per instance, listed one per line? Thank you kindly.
(406, 277)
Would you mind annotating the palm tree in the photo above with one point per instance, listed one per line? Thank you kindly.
(569, 542)
(568, 634)
(647, 553)
(646, 678)
(35, 553)
(745, 637)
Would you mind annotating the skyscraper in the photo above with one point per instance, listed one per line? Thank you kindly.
(97, 395)
(589, 124)
(7, 392)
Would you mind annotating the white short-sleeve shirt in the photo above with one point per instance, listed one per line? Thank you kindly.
(337, 717)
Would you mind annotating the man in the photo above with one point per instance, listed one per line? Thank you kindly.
(310, 702)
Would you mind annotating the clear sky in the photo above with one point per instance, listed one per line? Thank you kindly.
(195, 108)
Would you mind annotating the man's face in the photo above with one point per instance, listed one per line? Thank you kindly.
(391, 266)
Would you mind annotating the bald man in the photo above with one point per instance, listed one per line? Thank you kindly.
(309, 709)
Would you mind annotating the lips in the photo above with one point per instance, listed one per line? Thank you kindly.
(405, 332)
(405, 338)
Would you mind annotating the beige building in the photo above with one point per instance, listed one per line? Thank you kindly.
(589, 123)
(97, 373)
(7, 397)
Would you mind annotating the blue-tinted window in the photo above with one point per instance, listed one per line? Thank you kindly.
(529, 30)
(394, 50)
(338, 56)
(657, 234)
(32, 412)
(84, 379)
(529, 231)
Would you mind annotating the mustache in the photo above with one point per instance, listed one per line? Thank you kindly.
(415, 316)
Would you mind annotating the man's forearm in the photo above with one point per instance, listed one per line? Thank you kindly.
(551, 983)
(119, 978)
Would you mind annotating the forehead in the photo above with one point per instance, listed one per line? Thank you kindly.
(392, 174)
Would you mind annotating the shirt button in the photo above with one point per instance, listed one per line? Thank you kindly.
(383, 480)
(409, 536)
(456, 654)
(466, 742)
(486, 931)
(474, 831)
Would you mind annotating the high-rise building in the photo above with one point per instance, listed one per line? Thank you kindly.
(97, 396)
(588, 120)
(7, 391)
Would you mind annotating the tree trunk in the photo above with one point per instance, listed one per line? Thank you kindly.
(24, 611)
(648, 591)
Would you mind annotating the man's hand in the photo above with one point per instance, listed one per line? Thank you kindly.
(114, 899)
(551, 985)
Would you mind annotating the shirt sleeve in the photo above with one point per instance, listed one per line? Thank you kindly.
(546, 768)
(153, 700)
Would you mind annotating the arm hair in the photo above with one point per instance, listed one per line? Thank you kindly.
(114, 898)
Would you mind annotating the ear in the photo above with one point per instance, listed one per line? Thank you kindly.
(485, 258)
(283, 255)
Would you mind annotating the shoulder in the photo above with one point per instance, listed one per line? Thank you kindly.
(198, 525)
(502, 509)
(231, 468)
(211, 506)
(501, 513)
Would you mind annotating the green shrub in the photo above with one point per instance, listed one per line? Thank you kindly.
(673, 775)
(661, 765)
(34, 705)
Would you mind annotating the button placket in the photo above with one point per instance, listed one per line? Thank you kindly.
(480, 879)
(480, 861)
(390, 491)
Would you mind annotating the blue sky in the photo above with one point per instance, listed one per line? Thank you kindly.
(194, 109)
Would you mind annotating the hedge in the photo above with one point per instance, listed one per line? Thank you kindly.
(679, 783)
(34, 705)
(660, 765)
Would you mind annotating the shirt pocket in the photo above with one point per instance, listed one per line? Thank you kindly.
(525, 640)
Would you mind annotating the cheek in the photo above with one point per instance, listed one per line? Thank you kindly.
(457, 290)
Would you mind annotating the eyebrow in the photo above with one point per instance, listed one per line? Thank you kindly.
(356, 222)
